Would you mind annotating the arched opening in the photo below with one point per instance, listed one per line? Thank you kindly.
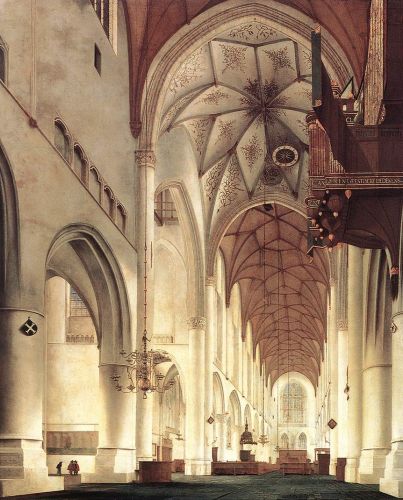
(9, 234)
(169, 421)
(80, 164)
(62, 140)
(284, 441)
(302, 441)
(170, 311)
(3, 62)
(72, 410)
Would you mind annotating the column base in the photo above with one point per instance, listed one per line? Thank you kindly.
(352, 470)
(112, 465)
(197, 468)
(392, 482)
(372, 465)
(332, 466)
(23, 469)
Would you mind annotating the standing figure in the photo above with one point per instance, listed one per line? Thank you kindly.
(59, 468)
(76, 467)
(70, 467)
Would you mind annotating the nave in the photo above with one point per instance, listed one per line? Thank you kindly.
(271, 486)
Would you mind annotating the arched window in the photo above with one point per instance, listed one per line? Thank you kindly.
(106, 10)
(77, 306)
(108, 201)
(284, 441)
(95, 183)
(79, 164)
(62, 142)
(302, 441)
(121, 217)
(164, 209)
(2, 63)
(292, 405)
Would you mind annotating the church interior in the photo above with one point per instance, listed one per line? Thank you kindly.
(201, 243)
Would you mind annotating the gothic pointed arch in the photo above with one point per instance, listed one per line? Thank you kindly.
(80, 255)
(193, 244)
(9, 233)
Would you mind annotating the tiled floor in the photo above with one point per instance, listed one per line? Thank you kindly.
(268, 487)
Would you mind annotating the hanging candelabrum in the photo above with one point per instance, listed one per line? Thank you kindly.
(141, 371)
(141, 364)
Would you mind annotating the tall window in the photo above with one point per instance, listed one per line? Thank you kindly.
(292, 404)
(102, 8)
(2, 64)
(77, 306)
(62, 141)
(79, 164)
(284, 443)
(97, 59)
(164, 210)
(302, 441)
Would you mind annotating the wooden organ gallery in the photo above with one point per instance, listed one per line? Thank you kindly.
(201, 240)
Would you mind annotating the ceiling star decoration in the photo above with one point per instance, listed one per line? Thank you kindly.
(250, 100)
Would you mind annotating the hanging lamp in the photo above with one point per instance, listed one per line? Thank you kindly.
(141, 365)
(263, 438)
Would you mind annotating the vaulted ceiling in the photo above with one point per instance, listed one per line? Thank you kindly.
(152, 22)
(283, 291)
(243, 99)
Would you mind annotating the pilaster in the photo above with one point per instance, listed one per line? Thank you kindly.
(392, 481)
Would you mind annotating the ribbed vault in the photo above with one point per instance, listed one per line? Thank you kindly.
(283, 291)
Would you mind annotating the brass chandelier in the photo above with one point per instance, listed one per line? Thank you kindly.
(141, 364)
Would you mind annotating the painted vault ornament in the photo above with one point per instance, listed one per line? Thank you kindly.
(29, 327)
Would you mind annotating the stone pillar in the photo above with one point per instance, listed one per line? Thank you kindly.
(332, 359)
(209, 360)
(115, 460)
(376, 377)
(56, 313)
(145, 162)
(355, 343)
(342, 347)
(23, 467)
(195, 460)
(392, 481)
(221, 437)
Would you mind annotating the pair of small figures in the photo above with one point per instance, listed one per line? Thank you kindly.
(73, 467)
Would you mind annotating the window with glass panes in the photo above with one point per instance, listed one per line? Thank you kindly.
(77, 305)
(293, 404)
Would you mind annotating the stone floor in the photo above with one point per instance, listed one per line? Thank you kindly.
(268, 487)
